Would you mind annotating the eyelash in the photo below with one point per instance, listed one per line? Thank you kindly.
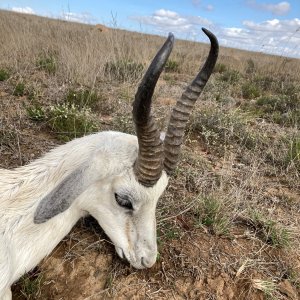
(123, 202)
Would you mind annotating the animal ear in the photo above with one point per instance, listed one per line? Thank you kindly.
(60, 199)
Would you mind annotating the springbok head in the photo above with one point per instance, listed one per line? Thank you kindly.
(125, 177)
(135, 192)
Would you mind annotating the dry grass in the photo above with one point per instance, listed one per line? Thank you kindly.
(228, 225)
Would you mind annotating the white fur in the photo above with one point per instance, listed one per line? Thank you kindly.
(108, 158)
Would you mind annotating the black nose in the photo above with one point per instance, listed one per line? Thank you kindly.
(145, 263)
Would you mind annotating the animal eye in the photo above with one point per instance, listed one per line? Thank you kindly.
(123, 201)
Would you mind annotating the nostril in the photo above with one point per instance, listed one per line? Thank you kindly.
(145, 263)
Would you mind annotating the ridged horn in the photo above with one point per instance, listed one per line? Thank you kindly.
(182, 110)
(149, 164)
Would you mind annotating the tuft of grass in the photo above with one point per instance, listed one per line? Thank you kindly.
(211, 214)
(82, 98)
(266, 286)
(70, 122)
(31, 284)
(250, 67)
(4, 75)
(47, 62)
(172, 66)
(250, 90)
(270, 231)
(220, 68)
(124, 70)
(19, 89)
(221, 128)
(124, 123)
(230, 76)
(281, 109)
(294, 151)
(36, 112)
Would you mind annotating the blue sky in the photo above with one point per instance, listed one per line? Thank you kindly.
(259, 25)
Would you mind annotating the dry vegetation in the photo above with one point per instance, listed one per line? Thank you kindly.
(228, 225)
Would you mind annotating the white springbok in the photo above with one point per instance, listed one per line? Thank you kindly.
(115, 177)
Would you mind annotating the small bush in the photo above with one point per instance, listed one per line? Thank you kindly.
(271, 232)
(4, 75)
(212, 215)
(250, 68)
(82, 98)
(230, 76)
(220, 128)
(19, 89)
(220, 68)
(47, 63)
(124, 124)
(280, 109)
(250, 91)
(70, 122)
(36, 112)
(30, 284)
(265, 83)
(124, 70)
(172, 66)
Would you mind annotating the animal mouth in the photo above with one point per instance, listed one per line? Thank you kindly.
(121, 253)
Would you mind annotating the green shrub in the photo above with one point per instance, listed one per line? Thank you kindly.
(212, 215)
(124, 124)
(124, 70)
(270, 231)
(250, 91)
(47, 63)
(230, 76)
(82, 98)
(19, 89)
(281, 109)
(35, 112)
(250, 68)
(4, 75)
(220, 68)
(70, 122)
(219, 128)
(172, 66)
(31, 284)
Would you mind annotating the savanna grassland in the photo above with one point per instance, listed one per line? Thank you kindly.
(229, 222)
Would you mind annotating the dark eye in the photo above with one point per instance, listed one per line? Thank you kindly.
(123, 201)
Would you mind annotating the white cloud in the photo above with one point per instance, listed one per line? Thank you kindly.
(163, 21)
(281, 8)
(67, 16)
(280, 37)
(24, 10)
(86, 18)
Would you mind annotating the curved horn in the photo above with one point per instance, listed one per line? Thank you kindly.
(148, 166)
(181, 112)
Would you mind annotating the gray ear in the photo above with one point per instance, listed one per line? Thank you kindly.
(60, 198)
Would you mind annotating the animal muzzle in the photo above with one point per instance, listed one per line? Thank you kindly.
(140, 258)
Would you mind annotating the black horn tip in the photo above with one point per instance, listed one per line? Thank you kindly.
(171, 37)
(210, 35)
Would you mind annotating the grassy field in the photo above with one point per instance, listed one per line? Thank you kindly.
(228, 224)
